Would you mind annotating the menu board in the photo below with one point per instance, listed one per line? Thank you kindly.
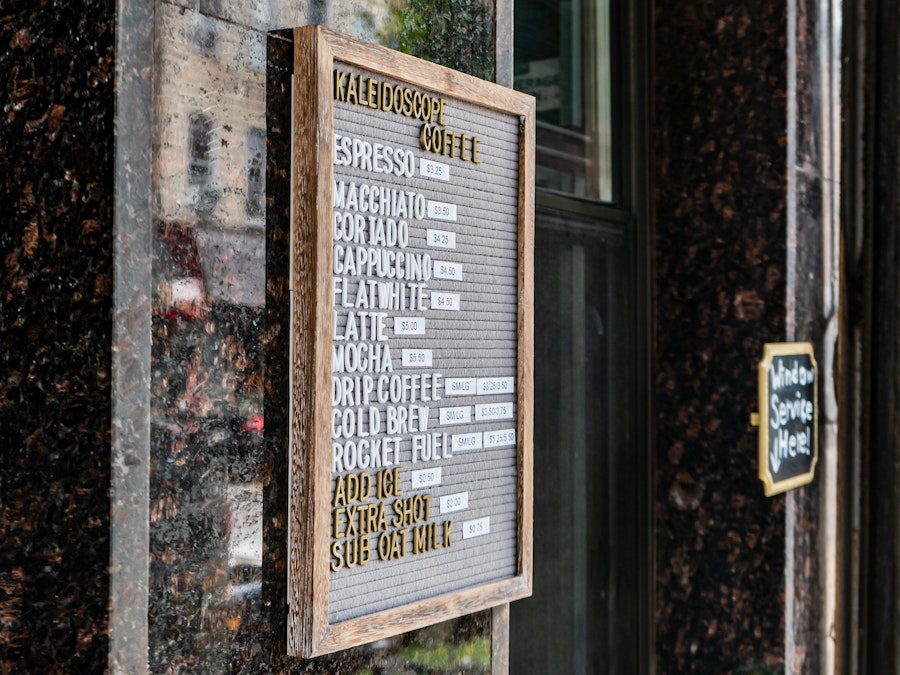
(788, 421)
(412, 320)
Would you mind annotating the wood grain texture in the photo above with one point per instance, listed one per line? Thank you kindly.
(500, 640)
(526, 345)
(311, 324)
(309, 632)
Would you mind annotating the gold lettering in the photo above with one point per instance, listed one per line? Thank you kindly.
(396, 471)
(339, 78)
(335, 521)
(455, 142)
(407, 102)
(400, 547)
(375, 519)
(447, 142)
(437, 140)
(387, 96)
(419, 539)
(433, 137)
(396, 551)
(351, 521)
(340, 493)
(372, 92)
(336, 551)
(397, 520)
(352, 488)
(475, 142)
(392, 545)
(351, 91)
(362, 90)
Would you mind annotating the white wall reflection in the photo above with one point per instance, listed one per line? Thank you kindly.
(209, 298)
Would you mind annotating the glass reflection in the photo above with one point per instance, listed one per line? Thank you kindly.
(458, 34)
(578, 619)
(563, 56)
(210, 469)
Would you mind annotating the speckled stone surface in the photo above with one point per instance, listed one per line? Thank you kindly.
(720, 251)
(56, 201)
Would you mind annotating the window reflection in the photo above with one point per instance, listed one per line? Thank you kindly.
(256, 172)
(208, 470)
(563, 58)
(581, 618)
(454, 33)
(211, 471)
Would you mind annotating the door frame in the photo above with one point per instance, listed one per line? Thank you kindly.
(634, 190)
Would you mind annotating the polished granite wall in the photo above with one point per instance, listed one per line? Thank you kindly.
(744, 255)
(56, 200)
(720, 113)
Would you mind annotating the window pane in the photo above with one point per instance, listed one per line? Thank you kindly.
(581, 617)
(562, 57)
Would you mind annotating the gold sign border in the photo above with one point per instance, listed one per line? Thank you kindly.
(309, 631)
(770, 351)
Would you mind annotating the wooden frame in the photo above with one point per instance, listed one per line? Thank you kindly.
(309, 631)
(770, 352)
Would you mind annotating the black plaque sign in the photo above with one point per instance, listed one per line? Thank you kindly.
(788, 421)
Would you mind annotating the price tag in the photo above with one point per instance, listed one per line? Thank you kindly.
(441, 211)
(493, 411)
(415, 358)
(499, 439)
(447, 270)
(476, 528)
(424, 478)
(440, 238)
(445, 301)
(436, 170)
(496, 385)
(409, 325)
(466, 441)
(459, 386)
(457, 502)
(462, 415)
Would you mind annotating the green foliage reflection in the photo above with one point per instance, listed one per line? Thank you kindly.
(458, 34)
(474, 653)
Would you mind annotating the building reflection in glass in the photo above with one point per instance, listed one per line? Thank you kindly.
(209, 464)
